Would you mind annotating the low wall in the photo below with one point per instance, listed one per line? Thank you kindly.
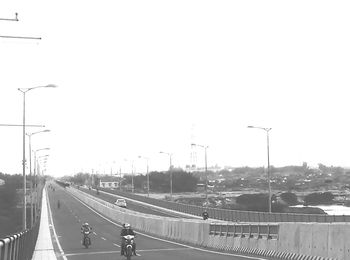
(281, 241)
(234, 215)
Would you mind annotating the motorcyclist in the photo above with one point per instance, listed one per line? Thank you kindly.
(126, 230)
(85, 228)
(205, 215)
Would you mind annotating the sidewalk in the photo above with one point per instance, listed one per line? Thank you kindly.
(44, 248)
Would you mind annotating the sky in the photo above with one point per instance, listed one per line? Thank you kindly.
(138, 77)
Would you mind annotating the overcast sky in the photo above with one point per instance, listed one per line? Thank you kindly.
(138, 77)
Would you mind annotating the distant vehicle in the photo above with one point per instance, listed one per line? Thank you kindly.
(120, 203)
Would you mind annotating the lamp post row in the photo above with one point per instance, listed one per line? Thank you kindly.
(24, 91)
(205, 147)
(30, 172)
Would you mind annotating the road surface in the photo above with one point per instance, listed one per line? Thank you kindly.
(65, 228)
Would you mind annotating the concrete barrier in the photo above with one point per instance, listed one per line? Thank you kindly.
(305, 239)
(319, 239)
(293, 241)
(336, 239)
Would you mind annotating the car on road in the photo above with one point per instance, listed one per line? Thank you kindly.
(120, 203)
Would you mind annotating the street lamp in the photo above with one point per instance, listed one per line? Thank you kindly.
(267, 130)
(24, 91)
(36, 178)
(132, 174)
(171, 174)
(41, 161)
(205, 147)
(147, 160)
(30, 172)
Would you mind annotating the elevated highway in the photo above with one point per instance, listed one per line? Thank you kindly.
(65, 223)
(164, 237)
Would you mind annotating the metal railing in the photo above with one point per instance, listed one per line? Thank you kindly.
(234, 215)
(21, 246)
(268, 231)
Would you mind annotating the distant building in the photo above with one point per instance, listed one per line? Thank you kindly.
(109, 182)
(2, 182)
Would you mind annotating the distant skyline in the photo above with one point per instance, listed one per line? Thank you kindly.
(137, 78)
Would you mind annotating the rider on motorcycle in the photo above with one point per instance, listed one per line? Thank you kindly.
(85, 228)
(126, 230)
(205, 215)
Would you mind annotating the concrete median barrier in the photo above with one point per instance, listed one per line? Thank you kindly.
(319, 239)
(291, 240)
(336, 239)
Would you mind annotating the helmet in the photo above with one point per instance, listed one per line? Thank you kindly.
(126, 225)
(85, 224)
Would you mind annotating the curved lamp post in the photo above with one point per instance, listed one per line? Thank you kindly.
(171, 173)
(205, 147)
(267, 130)
(147, 160)
(132, 174)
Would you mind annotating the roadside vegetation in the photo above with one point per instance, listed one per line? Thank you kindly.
(184, 182)
(10, 214)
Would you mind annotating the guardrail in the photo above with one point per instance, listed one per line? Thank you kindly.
(245, 230)
(21, 246)
(235, 215)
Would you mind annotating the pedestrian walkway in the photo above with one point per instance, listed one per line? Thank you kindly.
(44, 248)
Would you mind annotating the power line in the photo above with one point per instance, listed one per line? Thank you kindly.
(11, 19)
(20, 37)
(17, 37)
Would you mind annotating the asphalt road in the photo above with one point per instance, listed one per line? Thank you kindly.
(105, 239)
(131, 205)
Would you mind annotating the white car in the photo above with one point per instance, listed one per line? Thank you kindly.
(120, 203)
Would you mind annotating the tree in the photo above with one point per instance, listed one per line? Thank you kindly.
(290, 198)
(184, 181)
(255, 202)
(10, 215)
(319, 198)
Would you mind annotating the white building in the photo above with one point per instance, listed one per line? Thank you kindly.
(2, 182)
(109, 182)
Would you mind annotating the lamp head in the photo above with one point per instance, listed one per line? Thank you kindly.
(51, 86)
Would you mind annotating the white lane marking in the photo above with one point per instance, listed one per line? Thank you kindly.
(171, 242)
(103, 238)
(53, 228)
(162, 249)
(116, 245)
(113, 252)
(94, 253)
(94, 233)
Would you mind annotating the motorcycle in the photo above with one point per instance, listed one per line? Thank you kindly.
(86, 239)
(205, 215)
(128, 246)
